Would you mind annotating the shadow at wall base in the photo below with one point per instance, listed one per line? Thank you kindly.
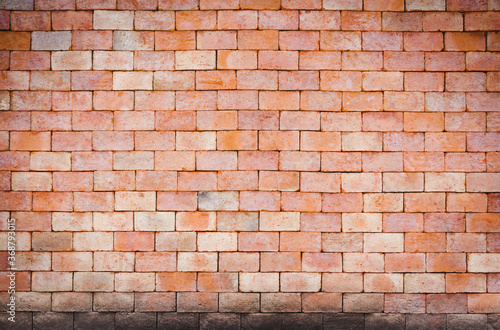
(271, 321)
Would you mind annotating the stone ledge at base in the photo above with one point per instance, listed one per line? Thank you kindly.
(271, 321)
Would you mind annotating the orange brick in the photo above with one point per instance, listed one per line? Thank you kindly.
(15, 40)
(443, 21)
(217, 282)
(236, 59)
(323, 222)
(320, 182)
(278, 60)
(363, 262)
(362, 61)
(216, 160)
(456, 283)
(340, 40)
(449, 61)
(446, 303)
(72, 20)
(176, 281)
(407, 61)
(342, 282)
(446, 262)
(133, 241)
(33, 141)
(318, 20)
(237, 180)
(71, 101)
(399, 21)
(465, 41)
(466, 242)
(382, 121)
(237, 20)
(299, 80)
(344, 202)
(481, 222)
(177, 201)
(259, 201)
(423, 41)
(424, 202)
(197, 181)
(208, 80)
(94, 201)
(202, 221)
(322, 262)
(196, 20)
(216, 40)
(445, 142)
(26, 60)
(175, 40)
(52, 201)
(429, 283)
(92, 120)
(147, 20)
(424, 161)
(92, 40)
(368, 21)
(238, 262)
(258, 40)
(300, 241)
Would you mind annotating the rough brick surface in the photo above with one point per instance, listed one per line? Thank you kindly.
(181, 162)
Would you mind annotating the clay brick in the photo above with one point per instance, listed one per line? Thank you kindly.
(428, 283)
(177, 201)
(481, 21)
(363, 262)
(57, 40)
(456, 283)
(196, 20)
(258, 40)
(217, 241)
(342, 282)
(197, 261)
(218, 201)
(370, 21)
(258, 241)
(92, 40)
(25, 60)
(237, 20)
(318, 20)
(176, 241)
(217, 282)
(278, 60)
(239, 262)
(30, 20)
(451, 222)
(443, 21)
(85, 161)
(398, 222)
(340, 40)
(176, 40)
(300, 282)
(72, 20)
(362, 61)
(407, 61)
(15, 40)
(93, 201)
(176, 281)
(259, 282)
(236, 59)
(91, 80)
(216, 160)
(150, 20)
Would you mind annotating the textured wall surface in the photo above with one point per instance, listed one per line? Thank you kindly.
(251, 156)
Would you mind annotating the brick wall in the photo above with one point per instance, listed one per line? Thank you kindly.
(251, 156)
